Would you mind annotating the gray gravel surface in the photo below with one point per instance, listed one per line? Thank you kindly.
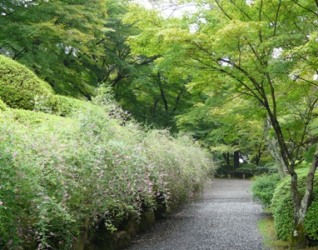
(224, 218)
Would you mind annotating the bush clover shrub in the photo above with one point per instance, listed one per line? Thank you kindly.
(60, 172)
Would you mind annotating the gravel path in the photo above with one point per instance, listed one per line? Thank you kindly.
(225, 218)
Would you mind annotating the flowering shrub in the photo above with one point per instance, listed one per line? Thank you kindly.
(58, 172)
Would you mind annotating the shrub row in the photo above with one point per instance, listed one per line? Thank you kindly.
(57, 173)
(282, 208)
(276, 195)
(20, 88)
(263, 188)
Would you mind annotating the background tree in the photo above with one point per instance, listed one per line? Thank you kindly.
(263, 50)
(56, 39)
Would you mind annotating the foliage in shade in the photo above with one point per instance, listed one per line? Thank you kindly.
(57, 39)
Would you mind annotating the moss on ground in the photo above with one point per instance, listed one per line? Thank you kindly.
(267, 230)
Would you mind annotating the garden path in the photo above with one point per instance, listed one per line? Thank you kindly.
(225, 218)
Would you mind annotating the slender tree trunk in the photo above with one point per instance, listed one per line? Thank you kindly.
(236, 159)
(299, 239)
(162, 92)
(299, 234)
(226, 157)
(273, 149)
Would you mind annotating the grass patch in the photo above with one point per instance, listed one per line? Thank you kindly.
(267, 230)
(266, 227)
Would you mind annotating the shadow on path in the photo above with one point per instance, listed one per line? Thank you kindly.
(225, 218)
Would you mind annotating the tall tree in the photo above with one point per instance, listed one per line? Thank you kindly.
(263, 50)
(56, 39)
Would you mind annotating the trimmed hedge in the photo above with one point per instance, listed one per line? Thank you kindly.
(19, 85)
(263, 188)
(282, 207)
(311, 220)
(20, 88)
(61, 105)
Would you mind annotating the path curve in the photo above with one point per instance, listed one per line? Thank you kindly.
(225, 218)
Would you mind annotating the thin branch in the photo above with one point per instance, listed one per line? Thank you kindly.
(251, 78)
(248, 88)
(223, 11)
(260, 35)
(305, 8)
(242, 11)
(276, 17)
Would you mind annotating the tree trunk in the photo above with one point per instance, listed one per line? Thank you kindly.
(299, 238)
(236, 159)
(163, 95)
(273, 149)
(226, 157)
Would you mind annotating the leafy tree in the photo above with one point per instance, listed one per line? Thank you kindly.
(263, 50)
(152, 91)
(57, 39)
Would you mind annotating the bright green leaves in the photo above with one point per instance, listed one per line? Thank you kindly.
(245, 61)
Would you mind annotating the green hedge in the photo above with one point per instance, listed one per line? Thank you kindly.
(311, 220)
(263, 188)
(19, 86)
(282, 207)
(61, 105)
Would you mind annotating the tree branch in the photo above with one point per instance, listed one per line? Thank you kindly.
(276, 17)
(305, 8)
(223, 11)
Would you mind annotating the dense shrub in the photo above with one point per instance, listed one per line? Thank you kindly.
(3, 106)
(282, 206)
(311, 220)
(58, 172)
(263, 188)
(19, 86)
(60, 105)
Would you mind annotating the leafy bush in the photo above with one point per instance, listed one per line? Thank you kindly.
(19, 86)
(263, 188)
(311, 220)
(247, 167)
(58, 172)
(60, 105)
(282, 206)
(3, 106)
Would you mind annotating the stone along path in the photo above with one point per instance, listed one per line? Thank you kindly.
(225, 218)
